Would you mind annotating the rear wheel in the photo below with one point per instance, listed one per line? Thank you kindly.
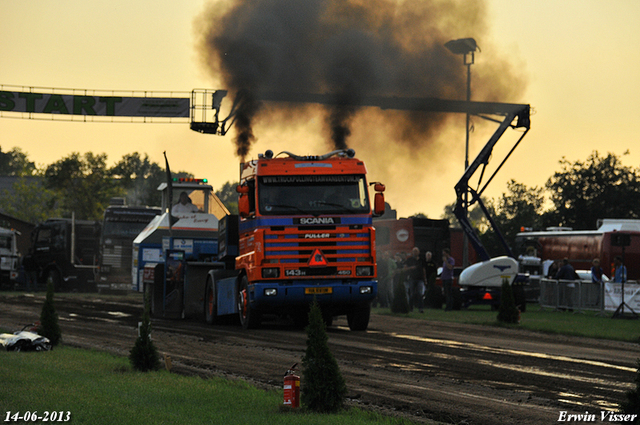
(358, 318)
(210, 303)
(249, 317)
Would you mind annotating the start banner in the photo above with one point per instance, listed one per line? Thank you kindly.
(108, 106)
(613, 296)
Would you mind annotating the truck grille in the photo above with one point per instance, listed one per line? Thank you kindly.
(338, 244)
(117, 256)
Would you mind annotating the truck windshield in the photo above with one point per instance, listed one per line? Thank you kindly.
(315, 195)
(126, 222)
(121, 229)
(5, 242)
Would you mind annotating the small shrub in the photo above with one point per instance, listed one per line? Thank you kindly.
(323, 387)
(49, 326)
(400, 302)
(144, 355)
(508, 312)
(632, 405)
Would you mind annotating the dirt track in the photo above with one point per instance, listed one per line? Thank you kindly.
(415, 369)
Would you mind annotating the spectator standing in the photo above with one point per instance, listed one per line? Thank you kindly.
(620, 275)
(553, 269)
(596, 271)
(596, 277)
(567, 272)
(415, 279)
(433, 293)
(448, 262)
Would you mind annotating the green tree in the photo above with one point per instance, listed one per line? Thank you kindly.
(140, 178)
(84, 184)
(15, 163)
(323, 387)
(229, 197)
(49, 327)
(476, 216)
(30, 200)
(507, 312)
(519, 206)
(600, 187)
(144, 355)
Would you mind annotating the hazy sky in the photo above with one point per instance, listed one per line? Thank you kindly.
(581, 61)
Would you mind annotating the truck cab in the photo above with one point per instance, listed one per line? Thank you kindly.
(65, 252)
(306, 232)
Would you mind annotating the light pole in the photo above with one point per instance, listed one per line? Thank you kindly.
(467, 48)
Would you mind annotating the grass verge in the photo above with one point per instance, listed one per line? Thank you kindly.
(587, 324)
(98, 388)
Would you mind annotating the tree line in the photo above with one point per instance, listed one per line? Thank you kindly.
(577, 196)
(83, 184)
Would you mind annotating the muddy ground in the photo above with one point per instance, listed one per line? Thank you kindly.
(424, 371)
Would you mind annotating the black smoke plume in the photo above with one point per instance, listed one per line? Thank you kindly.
(350, 48)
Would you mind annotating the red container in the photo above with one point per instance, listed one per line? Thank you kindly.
(292, 390)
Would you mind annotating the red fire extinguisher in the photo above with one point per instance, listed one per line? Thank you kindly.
(292, 388)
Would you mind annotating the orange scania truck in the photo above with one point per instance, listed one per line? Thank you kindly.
(304, 231)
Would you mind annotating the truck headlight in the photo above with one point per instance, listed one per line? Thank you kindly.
(366, 289)
(271, 272)
(270, 292)
(364, 271)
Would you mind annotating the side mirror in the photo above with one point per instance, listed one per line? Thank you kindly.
(379, 187)
(378, 204)
(243, 201)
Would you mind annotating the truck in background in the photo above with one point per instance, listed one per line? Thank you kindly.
(397, 236)
(194, 233)
(120, 226)
(304, 231)
(65, 252)
(9, 258)
(582, 246)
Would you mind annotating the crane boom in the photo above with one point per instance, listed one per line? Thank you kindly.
(514, 115)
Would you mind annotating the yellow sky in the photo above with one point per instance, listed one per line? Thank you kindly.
(581, 60)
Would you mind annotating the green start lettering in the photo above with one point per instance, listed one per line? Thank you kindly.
(55, 104)
(111, 104)
(84, 104)
(31, 100)
(6, 101)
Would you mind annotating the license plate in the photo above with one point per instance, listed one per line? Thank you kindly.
(320, 290)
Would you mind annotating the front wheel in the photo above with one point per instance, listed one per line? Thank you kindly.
(358, 317)
(249, 317)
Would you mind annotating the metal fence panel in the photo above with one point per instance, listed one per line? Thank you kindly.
(573, 295)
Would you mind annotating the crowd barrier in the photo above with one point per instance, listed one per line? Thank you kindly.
(584, 295)
(576, 295)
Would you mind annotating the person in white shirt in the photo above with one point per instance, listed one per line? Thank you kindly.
(184, 205)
